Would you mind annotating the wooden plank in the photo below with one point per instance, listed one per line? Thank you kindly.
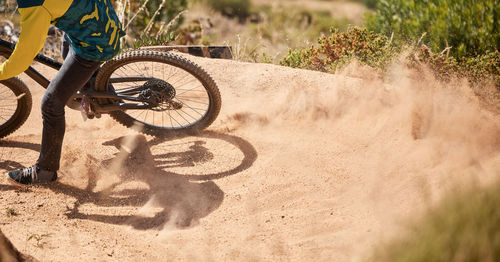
(222, 52)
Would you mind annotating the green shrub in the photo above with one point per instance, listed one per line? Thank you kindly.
(378, 51)
(470, 27)
(463, 227)
(477, 69)
(442, 65)
(144, 40)
(340, 48)
(369, 3)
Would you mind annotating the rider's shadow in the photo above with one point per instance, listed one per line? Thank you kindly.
(173, 199)
(181, 202)
(6, 162)
(197, 153)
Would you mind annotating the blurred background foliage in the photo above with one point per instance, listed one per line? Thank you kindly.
(369, 3)
(240, 9)
(464, 226)
(151, 15)
(7, 8)
(468, 27)
(461, 37)
(464, 27)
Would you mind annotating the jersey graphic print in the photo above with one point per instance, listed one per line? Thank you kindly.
(92, 28)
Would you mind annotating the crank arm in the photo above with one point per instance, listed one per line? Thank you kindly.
(105, 95)
(118, 107)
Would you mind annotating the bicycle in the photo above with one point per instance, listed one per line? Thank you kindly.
(132, 88)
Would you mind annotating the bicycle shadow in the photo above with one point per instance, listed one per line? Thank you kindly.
(174, 199)
(8, 164)
(197, 153)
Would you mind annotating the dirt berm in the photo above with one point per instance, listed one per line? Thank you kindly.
(299, 166)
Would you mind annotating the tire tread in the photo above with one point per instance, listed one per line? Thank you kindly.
(175, 60)
(23, 107)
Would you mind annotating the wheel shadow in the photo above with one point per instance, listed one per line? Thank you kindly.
(166, 197)
(6, 162)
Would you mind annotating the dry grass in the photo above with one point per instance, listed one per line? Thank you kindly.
(280, 26)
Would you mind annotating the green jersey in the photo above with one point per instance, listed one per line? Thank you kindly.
(92, 27)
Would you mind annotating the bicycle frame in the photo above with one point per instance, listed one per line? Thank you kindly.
(6, 49)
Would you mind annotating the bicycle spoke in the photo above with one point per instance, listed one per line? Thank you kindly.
(184, 84)
(194, 109)
(181, 116)
(182, 110)
(147, 112)
(9, 105)
(191, 90)
(4, 118)
(194, 101)
(191, 95)
(4, 91)
(173, 119)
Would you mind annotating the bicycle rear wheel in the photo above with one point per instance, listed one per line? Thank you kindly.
(184, 99)
(15, 105)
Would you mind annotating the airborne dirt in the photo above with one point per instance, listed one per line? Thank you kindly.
(300, 166)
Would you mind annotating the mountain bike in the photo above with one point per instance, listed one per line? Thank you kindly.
(157, 93)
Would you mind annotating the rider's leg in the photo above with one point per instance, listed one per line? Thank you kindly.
(65, 46)
(74, 73)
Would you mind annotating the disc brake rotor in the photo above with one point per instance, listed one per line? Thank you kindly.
(160, 95)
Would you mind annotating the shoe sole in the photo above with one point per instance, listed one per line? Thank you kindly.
(15, 183)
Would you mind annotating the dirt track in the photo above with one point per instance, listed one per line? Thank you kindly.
(299, 166)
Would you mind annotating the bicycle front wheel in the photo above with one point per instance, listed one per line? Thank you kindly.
(166, 94)
(15, 105)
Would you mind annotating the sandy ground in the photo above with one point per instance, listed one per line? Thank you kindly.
(299, 166)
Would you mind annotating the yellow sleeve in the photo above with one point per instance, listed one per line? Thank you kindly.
(35, 23)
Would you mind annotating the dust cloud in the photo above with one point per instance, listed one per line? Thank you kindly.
(412, 107)
(374, 149)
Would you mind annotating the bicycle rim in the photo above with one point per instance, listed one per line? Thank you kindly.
(8, 104)
(15, 105)
(190, 94)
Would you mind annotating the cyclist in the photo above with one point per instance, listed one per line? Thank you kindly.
(93, 31)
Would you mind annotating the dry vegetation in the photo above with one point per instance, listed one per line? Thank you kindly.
(272, 28)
